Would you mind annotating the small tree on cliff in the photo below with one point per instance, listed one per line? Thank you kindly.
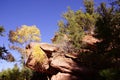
(22, 36)
(108, 29)
(89, 6)
(76, 25)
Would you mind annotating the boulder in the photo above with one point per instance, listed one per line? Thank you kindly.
(44, 46)
(37, 59)
(64, 64)
(57, 66)
(64, 76)
(89, 39)
(48, 47)
(68, 65)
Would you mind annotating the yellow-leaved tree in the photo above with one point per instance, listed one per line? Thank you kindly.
(25, 34)
(22, 36)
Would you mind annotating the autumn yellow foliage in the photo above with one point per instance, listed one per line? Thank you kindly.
(39, 54)
(25, 34)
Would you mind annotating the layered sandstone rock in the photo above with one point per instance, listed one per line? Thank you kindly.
(56, 64)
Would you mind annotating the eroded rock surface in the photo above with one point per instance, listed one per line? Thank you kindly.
(64, 76)
(57, 66)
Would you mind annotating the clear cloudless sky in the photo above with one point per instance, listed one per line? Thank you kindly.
(45, 14)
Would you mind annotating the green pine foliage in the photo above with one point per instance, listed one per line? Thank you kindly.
(108, 30)
(89, 6)
(105, 25)
(110, 74)
(75, 25)
(16, 74)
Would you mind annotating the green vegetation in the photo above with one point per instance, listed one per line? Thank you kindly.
(76, 25)
(102, 23)
(1, 30)
(4, 54)
(22, 36)
(16, 74)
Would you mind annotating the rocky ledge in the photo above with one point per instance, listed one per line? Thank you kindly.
(56, 65)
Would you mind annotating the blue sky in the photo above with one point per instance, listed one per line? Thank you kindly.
(43, 13)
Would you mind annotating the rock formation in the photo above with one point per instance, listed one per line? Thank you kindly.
(56, 64)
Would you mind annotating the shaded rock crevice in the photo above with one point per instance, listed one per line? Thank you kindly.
(57, 65)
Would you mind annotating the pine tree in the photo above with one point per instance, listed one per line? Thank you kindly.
(108, 30)
(75, 25)
(16, 73)
(89, 6)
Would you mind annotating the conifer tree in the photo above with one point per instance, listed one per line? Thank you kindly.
(89, 6)
(76, 25)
